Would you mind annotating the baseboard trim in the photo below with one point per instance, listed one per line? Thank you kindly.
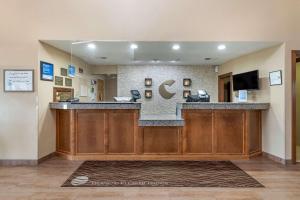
(18, 162)
(276, 158)
(26, 162)
(43, 159)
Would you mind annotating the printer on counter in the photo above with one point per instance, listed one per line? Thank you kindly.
(202, 96)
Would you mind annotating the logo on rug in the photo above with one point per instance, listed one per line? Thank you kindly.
(79, 180)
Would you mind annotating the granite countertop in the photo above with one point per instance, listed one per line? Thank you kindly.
(223, 105)
(161, 120)
(95, 105)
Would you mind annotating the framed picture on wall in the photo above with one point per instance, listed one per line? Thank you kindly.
(63, 71)
(275, 78)
(68, 82)
(186, 93)
(46, 71)
(18, 80)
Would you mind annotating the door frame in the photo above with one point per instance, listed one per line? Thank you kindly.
(295, 57)
(219, 86)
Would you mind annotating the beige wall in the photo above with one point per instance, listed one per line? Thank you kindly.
(265, 61)
(18, 111)
(23, 23)
(104, 69)
(133, 78)
(298, 101)
(46, 141)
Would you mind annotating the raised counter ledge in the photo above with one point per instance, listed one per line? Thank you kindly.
(161, 120)
(223, 105)
(95, 105)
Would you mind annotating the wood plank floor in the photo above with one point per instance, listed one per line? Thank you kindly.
(44, 181)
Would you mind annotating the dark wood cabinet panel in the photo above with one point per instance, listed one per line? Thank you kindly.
(90, 131)
(198, 131)
(121, 128)
(115, 134)
(161, 140)
(229, 131)
(63, 130)
(254, 131)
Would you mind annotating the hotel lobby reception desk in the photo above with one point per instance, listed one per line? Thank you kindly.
(116, 131)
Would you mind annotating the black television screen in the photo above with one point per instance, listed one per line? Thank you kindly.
(246, 81)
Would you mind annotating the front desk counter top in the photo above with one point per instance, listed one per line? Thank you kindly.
(95, 105)
(199, 131)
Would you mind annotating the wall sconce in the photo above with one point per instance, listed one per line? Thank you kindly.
(186, 93)
(148, 82)
(187, 82)
(148, 94)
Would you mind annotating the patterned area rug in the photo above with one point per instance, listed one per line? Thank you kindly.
(160, 174)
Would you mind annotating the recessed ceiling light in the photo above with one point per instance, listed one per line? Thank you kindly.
(92, 46)
(221, 47)
(176, 47)
(155, 61)
(133, 46)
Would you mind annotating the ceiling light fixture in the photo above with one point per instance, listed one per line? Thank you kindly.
(92, 46)
(133, 46)
(221, 47)
(176, 47)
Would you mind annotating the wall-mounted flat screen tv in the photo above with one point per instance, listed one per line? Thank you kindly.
(246, 81)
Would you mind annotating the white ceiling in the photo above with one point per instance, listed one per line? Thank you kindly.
(190, 53)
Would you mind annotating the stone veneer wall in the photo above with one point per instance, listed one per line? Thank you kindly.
(132, 77)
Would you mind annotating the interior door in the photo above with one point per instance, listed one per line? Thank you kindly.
(224, 87)
(100, 90)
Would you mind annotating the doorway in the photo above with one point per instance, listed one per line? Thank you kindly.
(100, 87)
(295, 106)
(224, 87)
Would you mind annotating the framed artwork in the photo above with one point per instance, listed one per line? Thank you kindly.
(46, 71)
(58, 80)
(71, 71)
(186, 93)
(275, 78)
(63, 71)
(187, 82)
(148, 82)
(18, 80)
(80, 70)
(148, 94)
(68, 82)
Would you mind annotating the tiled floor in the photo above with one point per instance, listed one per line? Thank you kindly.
(43, 182)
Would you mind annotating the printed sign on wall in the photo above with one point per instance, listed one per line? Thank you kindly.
(18, 80)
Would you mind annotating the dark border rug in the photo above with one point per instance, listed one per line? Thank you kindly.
(160, 174)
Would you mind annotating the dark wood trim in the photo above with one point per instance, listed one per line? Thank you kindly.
(219, 85)
(295, 55)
